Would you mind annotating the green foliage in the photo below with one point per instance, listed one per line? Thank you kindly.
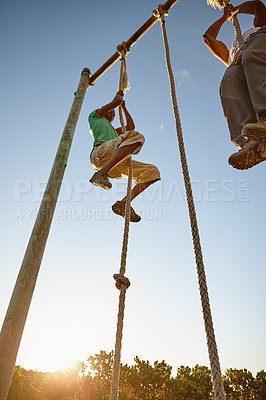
(198, 382)
(101, 371)
(25, 385)
(91, 380)
(260, 385)
(240, 385)
(144, 381)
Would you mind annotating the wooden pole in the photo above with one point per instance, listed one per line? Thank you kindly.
(17, 312)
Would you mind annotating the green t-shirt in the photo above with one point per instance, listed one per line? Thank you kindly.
(100, 128)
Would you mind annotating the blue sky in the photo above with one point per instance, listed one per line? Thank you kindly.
(44, 47)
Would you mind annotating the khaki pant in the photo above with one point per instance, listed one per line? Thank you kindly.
(243, 87)
(142, 172)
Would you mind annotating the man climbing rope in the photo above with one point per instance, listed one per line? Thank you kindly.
(111, 150)
(243, 86)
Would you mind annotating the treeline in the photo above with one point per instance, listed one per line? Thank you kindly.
(90, 380)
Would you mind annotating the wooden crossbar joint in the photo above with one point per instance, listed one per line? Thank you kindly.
(87, 70)
(130, 42)
(84, 71)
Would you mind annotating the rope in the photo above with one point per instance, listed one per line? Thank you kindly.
(122, 283)
(212, 348)
(239, 38)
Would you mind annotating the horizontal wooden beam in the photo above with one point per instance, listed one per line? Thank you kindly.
(130, 42)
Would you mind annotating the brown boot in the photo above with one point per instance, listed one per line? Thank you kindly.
(255, 131)
(119, 209)
(100, 179)
(248, 156)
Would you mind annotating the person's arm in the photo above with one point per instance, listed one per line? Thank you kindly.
(218, 48)
(117, 100)
(256, 8)
(129, 121)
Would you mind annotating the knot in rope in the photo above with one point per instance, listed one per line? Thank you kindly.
(123, 49)
(160, 13)
(124, 84)
(121, 280)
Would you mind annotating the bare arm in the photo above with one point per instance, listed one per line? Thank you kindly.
(217, 47)
(117, 100)
(256, 8)
(129, 121)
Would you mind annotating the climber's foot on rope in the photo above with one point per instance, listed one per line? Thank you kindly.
(119, 209)
(256, 131)
(251, 154)
(101, 179)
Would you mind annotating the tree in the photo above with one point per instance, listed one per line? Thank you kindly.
(91, 380)
(144, 381)
(100, 367)
(25, 385)
(260, 385)
(239, 384)
(198, 382)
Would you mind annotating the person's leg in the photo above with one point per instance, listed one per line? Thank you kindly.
(120, 154)
(139, 188)
(112, 153)
(236, 103)
(144, 174)
(119, 207)
(254, 65)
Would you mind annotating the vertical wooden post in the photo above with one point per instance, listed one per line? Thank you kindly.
(16, 315)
